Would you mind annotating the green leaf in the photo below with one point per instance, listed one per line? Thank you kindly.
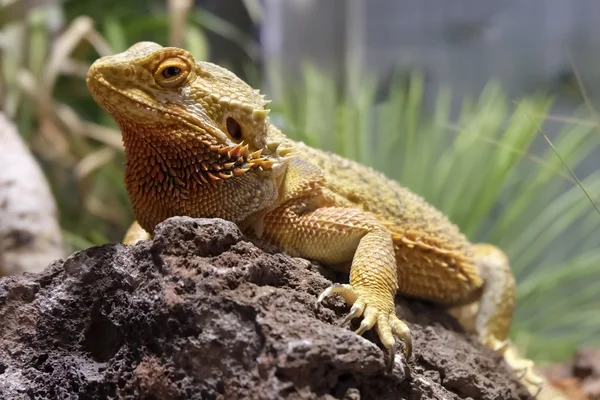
(115, 35)
(196, 43)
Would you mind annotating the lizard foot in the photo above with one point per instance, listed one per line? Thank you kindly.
(523, 367)
(375, 312)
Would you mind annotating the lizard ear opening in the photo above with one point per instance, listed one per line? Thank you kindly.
(234, 129)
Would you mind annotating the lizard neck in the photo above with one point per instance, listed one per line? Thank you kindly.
(181, 178)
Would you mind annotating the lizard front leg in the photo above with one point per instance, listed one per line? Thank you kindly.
(134, 234)
(336, 236)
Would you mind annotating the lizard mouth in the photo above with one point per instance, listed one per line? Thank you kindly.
(151, 109)
(229, 159)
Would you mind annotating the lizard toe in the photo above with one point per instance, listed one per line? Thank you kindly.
(370, 318)
(523, 367)
(401, 330)
(346, 291)
(376, 312)
(389, 327)
(356, 311)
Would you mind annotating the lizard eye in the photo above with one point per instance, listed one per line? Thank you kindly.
(171, 73)
(233, 128)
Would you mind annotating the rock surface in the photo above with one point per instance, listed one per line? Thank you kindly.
(201, 313)
(30, 235)
(579, 378)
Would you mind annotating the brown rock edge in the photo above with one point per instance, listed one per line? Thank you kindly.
(202, 313)
(578, 378)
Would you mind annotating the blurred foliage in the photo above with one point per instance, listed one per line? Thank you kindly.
(45, 51)
(482, 170)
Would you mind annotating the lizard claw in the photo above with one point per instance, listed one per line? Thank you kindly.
(355, 312)
(391, 358)
(523, 374)
(375, 313)
(335, 288)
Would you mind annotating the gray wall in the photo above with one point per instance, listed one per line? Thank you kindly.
(525, 44)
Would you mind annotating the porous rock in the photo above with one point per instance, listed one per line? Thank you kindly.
(200, 312)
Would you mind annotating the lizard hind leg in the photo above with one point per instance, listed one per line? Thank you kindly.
(494, 315)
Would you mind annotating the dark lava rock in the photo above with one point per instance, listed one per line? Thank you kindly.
(199, 312)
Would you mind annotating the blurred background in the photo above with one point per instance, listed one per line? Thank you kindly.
(486, 108)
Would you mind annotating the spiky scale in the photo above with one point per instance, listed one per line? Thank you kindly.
(272, 146)
(240, 171)
(256, 154)
(179, 182)
(225, 150)
(212, 177)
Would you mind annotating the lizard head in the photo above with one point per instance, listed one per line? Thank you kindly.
(197, 138)
(163, 97)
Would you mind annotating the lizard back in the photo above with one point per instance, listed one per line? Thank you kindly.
(434, 258)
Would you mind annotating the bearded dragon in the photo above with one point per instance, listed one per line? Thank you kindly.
(199, 142)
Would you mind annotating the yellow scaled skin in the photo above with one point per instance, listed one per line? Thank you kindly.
(198, 142)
